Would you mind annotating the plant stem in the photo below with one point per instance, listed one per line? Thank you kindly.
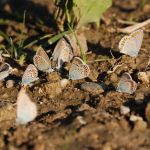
(83, 56)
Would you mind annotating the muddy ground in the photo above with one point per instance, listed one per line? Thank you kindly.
(70, 118)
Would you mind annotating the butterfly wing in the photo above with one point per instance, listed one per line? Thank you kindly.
(5, 67)
(138, 38)
(42, 61)
(30, 75)
(26, 109)
(4, 70)
(42, 64)
(4, 74)
(62, 52)
(61, 44)
(131, 44)
(40, 52)
(78, 69)
(65, 56)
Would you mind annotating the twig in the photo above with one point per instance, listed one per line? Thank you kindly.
(126, 22)
(134, 27)
(98, 60)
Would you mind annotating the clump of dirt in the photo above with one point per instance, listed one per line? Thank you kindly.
(70, 117)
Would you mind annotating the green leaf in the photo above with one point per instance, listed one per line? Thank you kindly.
(57, 37)
(90, 11)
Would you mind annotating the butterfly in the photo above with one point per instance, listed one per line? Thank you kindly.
(42, 61)
(26, 109)
(78, 69)
(5, 70)
(30, 75)
(126, 84)
(131, 44)
(62, 53)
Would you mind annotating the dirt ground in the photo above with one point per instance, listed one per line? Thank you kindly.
(70, 118)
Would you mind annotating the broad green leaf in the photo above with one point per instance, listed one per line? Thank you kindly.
(90, 11)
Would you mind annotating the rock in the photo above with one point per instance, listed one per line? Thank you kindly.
(124, 110)
(10, 83)
(92, 87)
(64, 83)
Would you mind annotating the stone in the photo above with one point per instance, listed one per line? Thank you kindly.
(93, 88)
(124, 110)
(10, 83)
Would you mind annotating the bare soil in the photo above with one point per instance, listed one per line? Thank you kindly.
(70, 118)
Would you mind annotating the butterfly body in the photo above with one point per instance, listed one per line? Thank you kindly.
(78, 69)
(131, 44)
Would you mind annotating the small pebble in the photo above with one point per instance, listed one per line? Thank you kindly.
(92, 87)
(64, 83)
(10, 83)
(124, 110)
(135, 118)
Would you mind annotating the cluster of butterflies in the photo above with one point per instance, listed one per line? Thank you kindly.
(27, 110)
(78, 70)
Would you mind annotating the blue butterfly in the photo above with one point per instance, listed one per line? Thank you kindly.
(126, 84)
(30, 75)
(131, 44)
(42, 61)
(78, 69)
